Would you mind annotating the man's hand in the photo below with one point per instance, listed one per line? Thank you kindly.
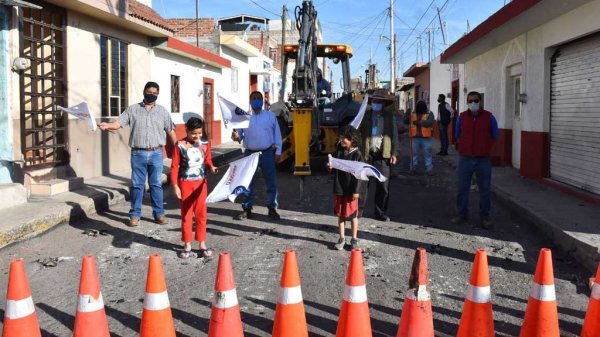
(393, 160)
(235, 135)
(355, 196)
(177, 191)
(213, 170)
(277, 158)
(103, 126)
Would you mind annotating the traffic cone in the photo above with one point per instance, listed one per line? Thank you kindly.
(225, 318)
(90, 319)
(477, 319)
(591, 324)
(354, 318)
(417, 317)
(541, 315)
(20, 319)
(157, 320)
(290, 319)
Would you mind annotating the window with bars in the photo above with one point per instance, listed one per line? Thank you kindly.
(175, 97)
(113, 76)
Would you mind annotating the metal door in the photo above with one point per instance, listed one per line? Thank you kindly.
(43, 126)
(575, 114)
(208, 108)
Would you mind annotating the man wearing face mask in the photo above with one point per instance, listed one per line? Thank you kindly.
(420, 131)
(476, 130)
(444, 115)
(149, 123)
(380, 146)
(262, 135)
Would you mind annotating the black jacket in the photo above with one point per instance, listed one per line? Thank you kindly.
(345, 183)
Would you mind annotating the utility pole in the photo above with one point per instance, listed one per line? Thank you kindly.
(392, 50)
(429, 45)
(197, 28)
(442, 28)
(283, 67)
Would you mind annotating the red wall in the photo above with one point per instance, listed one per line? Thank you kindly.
(535, 154)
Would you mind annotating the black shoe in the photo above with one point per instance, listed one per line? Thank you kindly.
(441, 153)
(457, 220)
(245, 214)
(340, 244)
(273, 214)
(383, 218)
(486, 224)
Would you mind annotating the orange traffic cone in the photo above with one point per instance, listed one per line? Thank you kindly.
(156, 317)
(591, 324)
(354, 318)
(417, 317)
(90, 319)
(20, 319)
(225, 318)
(541, 315)
(477, 319)
(290, 319)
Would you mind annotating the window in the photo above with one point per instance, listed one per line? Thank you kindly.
(113, 76)
(175, 94)
(234, 79)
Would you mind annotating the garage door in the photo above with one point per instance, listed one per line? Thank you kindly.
(575, 114)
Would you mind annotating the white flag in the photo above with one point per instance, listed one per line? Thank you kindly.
(234, 116)
(360, 170)
(236, 180)
(361, 113)
(82, 111)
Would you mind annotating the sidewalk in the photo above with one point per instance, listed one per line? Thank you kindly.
(572, 224)
(42, 213)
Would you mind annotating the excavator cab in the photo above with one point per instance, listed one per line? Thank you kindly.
(309, 124)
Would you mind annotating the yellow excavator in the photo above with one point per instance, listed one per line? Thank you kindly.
(308, 120)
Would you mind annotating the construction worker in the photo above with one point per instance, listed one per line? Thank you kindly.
(420, 125)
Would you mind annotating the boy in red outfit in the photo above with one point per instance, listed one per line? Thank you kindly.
(191, 159)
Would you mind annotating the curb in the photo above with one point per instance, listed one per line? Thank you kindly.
(74, 205)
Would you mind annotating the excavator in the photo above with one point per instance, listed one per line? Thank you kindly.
(308, 122)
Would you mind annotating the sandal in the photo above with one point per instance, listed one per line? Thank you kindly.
(184, 254)
(206, 252)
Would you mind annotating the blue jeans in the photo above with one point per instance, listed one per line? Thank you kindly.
(146, 164)
(443, 138)
(266, 163)
(421, 145)
(482, 167)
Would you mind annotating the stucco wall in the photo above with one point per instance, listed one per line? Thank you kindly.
(441, 81)
(241, 63)
(95, 154)
(488, 72)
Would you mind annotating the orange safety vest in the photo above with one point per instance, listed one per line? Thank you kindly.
(425, 131)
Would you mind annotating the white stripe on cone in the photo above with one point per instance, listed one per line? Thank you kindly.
(291, 295)
(225, 299)
(19, 308)
(156, 301)
(355, 294)
(87, 303)
(596, 291)
(543, 292)
(479, 294)
(420, 294)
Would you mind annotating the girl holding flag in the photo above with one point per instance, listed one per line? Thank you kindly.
(346, 186)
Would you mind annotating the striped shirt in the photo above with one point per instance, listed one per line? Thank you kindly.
(148, 128)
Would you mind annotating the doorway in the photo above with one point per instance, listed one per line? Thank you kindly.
(207, 94)
(515, 107)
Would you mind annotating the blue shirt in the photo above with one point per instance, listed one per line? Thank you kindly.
(493, 124)
(262, 133)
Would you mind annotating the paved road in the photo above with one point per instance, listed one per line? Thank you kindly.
(420, 209)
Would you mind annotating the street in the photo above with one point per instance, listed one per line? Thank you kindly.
(420, 208)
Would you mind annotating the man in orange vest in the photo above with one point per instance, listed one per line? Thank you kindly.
(420, 130)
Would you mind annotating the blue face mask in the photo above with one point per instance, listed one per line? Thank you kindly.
(376, 106)
(256, 104)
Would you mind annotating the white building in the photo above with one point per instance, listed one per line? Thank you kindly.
(536, 63)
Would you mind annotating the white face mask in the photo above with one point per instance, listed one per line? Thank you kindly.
(474, 107)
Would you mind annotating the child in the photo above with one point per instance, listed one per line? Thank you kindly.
(346, 186)
(191, 158)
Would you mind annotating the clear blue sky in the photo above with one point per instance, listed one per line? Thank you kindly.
(360, 23)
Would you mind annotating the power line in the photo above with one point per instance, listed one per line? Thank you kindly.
(417, 24)
(266, 10)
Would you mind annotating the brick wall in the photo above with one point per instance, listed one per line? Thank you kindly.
(187, 27)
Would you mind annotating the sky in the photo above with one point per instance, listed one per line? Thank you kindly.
(360, 23)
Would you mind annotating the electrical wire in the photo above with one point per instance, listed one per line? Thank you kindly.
(266, 10)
